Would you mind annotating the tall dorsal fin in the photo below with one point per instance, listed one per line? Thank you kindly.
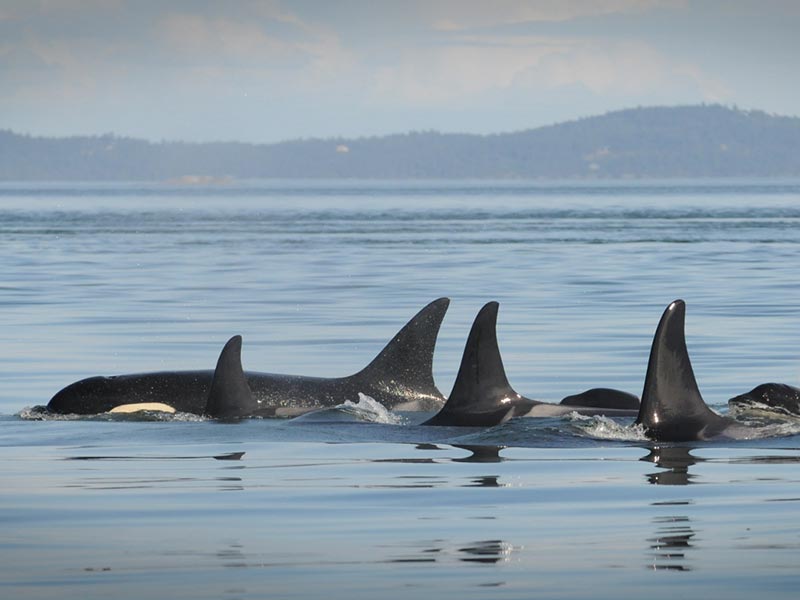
(481, 396)
(406, 362)
(230, 395)
(672, 407)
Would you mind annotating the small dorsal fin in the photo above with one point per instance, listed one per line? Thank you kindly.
(406, 362)
(230, 395)
(672, 407)
(481, 396)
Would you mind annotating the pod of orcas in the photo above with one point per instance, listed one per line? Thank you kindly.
(401, 378)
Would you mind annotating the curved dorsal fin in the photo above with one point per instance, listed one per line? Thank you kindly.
(672, 407)
(230, 395)
(407, 360)
(481, 396)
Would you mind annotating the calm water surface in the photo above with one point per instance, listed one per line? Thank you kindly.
(104, 279)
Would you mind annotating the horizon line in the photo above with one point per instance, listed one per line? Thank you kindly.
(111, 135)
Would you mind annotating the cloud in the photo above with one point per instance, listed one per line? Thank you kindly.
(440, 75)
(211, 40)
(470, 14)
(474, 66)
(281, 68)
(631, 68)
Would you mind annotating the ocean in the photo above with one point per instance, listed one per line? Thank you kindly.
(360, 502)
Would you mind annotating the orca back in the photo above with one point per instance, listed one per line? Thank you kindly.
(603, 398)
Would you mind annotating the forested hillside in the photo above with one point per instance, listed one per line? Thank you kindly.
(680, 142)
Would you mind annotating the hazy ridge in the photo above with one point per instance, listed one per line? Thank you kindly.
(657, 142)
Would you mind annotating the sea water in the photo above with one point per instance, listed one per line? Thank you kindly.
(359, 502)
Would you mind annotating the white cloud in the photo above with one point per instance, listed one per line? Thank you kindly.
(627, 67)
(460, 74)
(308, 67)
(451, 15)
(213, 40)
(439, 75)
(278, 45)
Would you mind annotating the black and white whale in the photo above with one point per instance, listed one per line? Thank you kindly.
(775, 396)
(400, 377)
(483, 397)
(672, 409)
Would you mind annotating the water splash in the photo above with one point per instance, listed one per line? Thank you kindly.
(759, 411)
(370, 410)
(605, 428)
(40, 413)
(758, 425)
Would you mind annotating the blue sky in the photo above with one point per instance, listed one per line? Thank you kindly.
(269, 70)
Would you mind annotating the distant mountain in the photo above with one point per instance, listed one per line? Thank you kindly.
(660, 142)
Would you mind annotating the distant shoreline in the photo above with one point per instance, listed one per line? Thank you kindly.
(690, 142)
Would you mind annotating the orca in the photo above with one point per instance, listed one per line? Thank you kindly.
(603, 398)
(229, 398)
(400, 377)
(483, 397)
(672, 408)
(776, 396)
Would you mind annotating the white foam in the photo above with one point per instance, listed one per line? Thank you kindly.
(37, 414)
(370, 410)
(605, 428)
(759, 410)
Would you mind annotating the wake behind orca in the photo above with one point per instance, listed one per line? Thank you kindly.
(400, 377)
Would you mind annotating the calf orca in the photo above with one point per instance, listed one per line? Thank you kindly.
(672, 408)
(400, 377)
(482, 396)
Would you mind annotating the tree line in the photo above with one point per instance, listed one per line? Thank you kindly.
(654, 142)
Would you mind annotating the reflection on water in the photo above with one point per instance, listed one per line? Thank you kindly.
(672, 544)
(489, 552)
(483, 551)
(480, 454)
(233, 556)
(782, 459)
(486, 481)
(228, 456)
(676, 461)
(137, 480)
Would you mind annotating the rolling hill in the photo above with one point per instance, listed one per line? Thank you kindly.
(656, 142)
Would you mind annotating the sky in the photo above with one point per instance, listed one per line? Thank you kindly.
(263, 71)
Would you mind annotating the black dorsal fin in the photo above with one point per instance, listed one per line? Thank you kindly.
(230, 395)
(481, 396)
(672, 407)
(406, 362)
